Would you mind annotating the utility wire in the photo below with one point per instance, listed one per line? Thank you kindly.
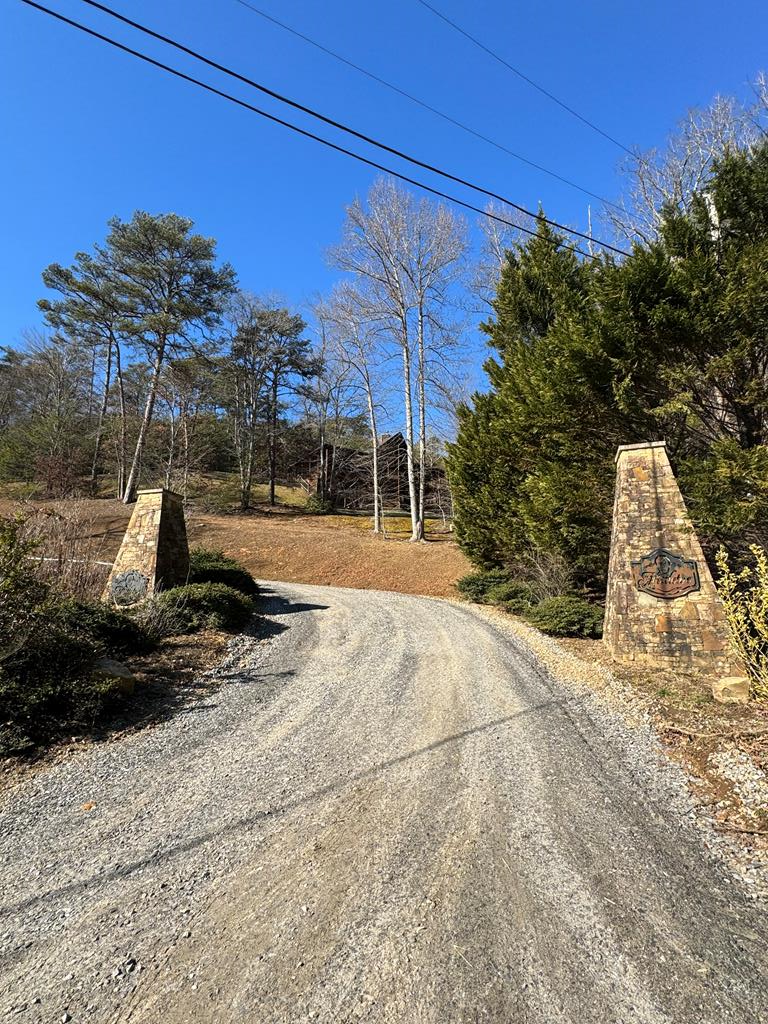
(426, 106)
(525, 78)
(345, 128)
(287, 124)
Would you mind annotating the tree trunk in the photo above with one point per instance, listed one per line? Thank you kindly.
(375, 452)
(185, 450)
(133, 477)
(421, 388)
(171, 454)
(273, 441)
(100, 421)
(92, 385)
(122, 443)
(408, 400)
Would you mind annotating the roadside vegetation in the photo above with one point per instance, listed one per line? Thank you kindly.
(557, 614)
(666, 343)
(60, 655)
(745, 599)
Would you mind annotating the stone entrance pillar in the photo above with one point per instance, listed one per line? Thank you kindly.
(661, 606)
(154, 553)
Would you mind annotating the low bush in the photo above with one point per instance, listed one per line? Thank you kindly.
(475, 585)
(110, 631)
(744, 594)
(567, 616)
(46, 687)
(206, 606)
(517, 598)
(209, 566)
(318, 506)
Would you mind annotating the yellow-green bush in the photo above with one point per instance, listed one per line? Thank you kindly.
(745, 598)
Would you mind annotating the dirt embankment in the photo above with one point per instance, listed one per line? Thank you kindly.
(289, 545)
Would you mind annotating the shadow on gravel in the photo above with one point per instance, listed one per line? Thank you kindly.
(158, 700)
(272, 603)
(184, 690)
(244, 824)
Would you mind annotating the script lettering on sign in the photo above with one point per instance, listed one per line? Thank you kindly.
(663, 574)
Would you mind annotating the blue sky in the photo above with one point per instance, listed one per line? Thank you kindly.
(90, 133)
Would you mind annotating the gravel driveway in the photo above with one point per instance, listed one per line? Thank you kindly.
(388, 812)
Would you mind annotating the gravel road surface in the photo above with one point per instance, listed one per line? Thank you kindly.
(389, 812)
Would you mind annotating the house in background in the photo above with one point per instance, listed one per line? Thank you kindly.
(343, 475)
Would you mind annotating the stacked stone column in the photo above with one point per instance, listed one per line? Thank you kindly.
(154, 554)
(662, 607)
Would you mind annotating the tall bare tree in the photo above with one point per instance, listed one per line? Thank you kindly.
(407, 253)
(354, 335)
(498, 233)
(672, 175)
(432, 267)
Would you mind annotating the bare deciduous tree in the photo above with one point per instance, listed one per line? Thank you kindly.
(408, 253)
(671, 176)
(498, 237)
(354, 334)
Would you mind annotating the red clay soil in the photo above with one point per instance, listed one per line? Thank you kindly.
(287, 545)
(306, 549)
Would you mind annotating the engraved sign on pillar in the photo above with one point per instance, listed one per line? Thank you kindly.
(661, 607)
(154, 553)
(665, 575)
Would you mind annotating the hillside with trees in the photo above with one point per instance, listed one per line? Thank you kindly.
(668, 343)
(156, 368)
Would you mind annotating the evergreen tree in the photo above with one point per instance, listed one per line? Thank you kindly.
(670, 343)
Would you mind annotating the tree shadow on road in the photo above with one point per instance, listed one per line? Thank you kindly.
(272, 603)
(245, 824)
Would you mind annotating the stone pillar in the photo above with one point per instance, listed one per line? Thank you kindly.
(154, 554)
(661, 607)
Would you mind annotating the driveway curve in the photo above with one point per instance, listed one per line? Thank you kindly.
(389, 812)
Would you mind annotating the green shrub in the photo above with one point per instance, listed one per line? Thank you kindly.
(46, 688)
(207, 606)
(318, 506)
(209, 566)
(567, 616)
(47, 650)
(111, 631)
(514, 597)
(475, 585)
(21, 592)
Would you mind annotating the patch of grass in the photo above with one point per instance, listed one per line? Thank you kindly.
(394, 525)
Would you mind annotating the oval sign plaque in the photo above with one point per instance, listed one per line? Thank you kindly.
(664, 574)
(129, 587)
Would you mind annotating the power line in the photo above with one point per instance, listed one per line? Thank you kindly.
(426, 106)
(525, 78)
(345, 128)
(295, 128)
